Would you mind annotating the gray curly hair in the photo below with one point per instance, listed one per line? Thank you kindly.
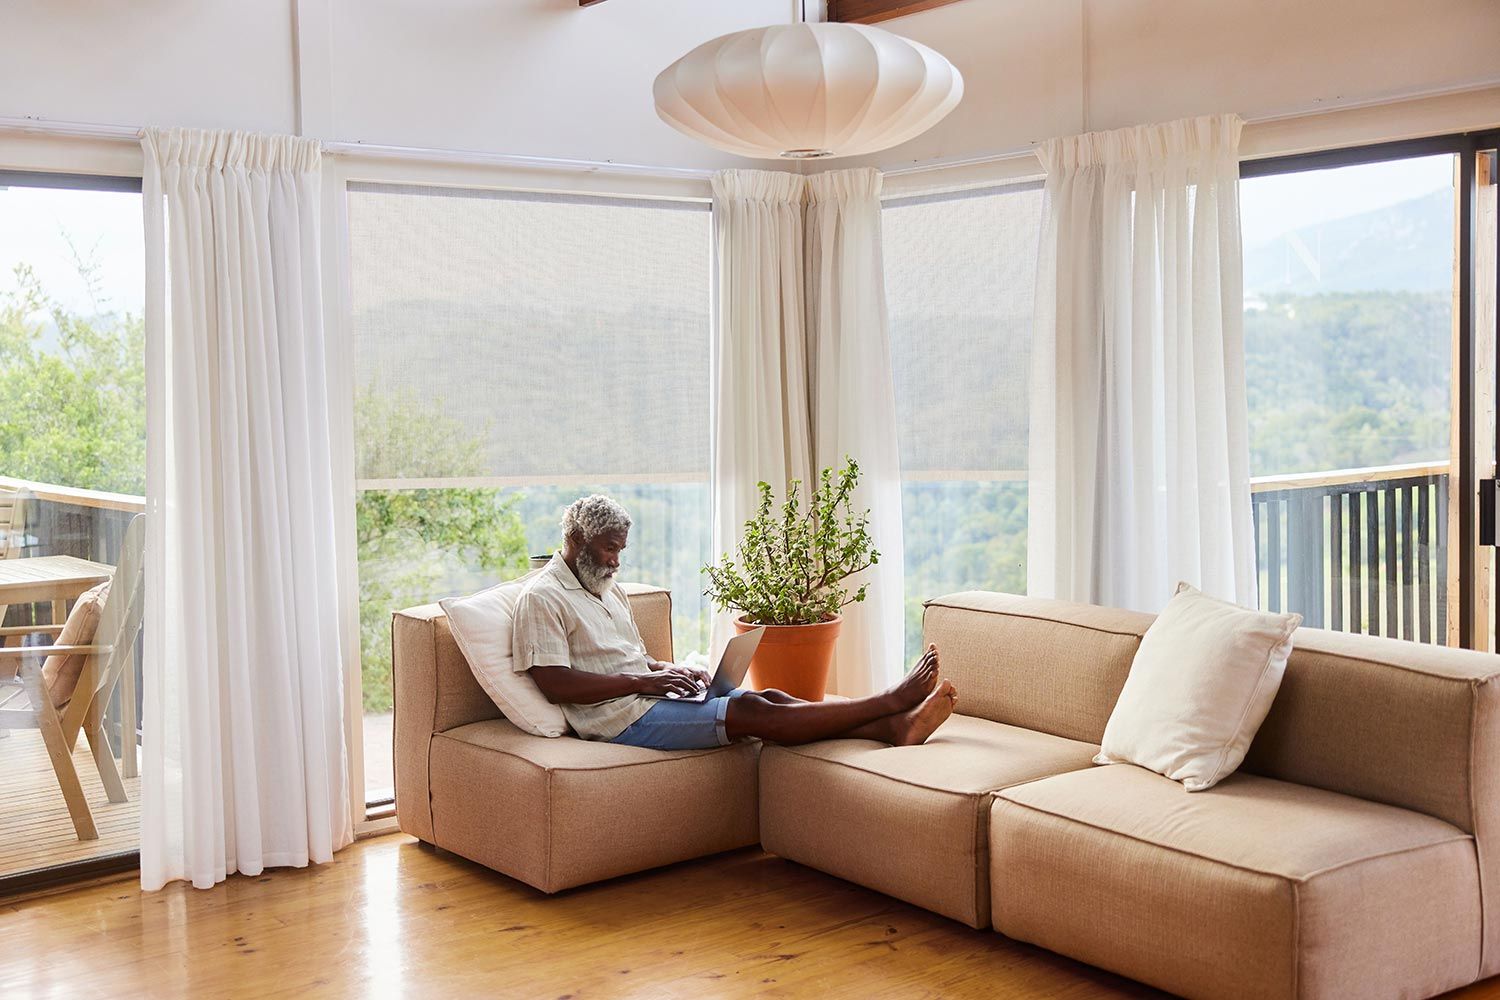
(591, 516)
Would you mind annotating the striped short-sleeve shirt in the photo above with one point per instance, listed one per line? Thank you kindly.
(560, 623)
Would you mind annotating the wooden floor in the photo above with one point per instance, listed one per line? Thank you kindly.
(35, 831)
(392, 918)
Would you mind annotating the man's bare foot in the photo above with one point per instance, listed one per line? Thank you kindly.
(918, 684)
(915, 726)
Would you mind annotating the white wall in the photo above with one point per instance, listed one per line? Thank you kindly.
(200, 63)
(1036, 69)
(535, 77)
(546, 78)
(530, 77)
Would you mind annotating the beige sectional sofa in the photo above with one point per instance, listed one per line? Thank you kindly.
(1355, 854)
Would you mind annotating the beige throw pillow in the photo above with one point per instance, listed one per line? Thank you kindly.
(1199, 688)
(481, 624)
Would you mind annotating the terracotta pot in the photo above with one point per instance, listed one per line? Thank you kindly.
(793, 658)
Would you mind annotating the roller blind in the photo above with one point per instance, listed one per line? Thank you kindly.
(960, 270)
(566, 337)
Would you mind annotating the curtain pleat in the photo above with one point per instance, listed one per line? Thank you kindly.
(243, 719)
(854, 408)
(804, 378)
(1139, 453)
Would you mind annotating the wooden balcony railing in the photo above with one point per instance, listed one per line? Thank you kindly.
(1358, 550)
(66, 521)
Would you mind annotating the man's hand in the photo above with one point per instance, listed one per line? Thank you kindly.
(666, 679)
(700, 673)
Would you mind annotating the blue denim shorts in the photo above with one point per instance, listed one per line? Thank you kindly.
(681, 725)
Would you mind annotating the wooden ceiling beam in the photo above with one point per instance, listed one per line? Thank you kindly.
(870, 11)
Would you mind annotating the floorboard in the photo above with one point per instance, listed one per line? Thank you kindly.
(390, 917)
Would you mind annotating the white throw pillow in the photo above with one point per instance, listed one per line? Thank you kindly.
(481, 623)
(1199, 688)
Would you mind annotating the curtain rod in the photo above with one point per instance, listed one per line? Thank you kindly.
(125, 133)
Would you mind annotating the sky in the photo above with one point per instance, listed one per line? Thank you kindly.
(37, 225)
(1270, 206)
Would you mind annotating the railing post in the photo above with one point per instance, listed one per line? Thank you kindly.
(1304, 556)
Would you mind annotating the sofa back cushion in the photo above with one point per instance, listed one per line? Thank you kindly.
(1382, 719)
(456, 698)
(1052, 666)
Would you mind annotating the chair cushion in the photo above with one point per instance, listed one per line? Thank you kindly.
(60, 672)
(560, 812)
(908, 821)
(1257, 888)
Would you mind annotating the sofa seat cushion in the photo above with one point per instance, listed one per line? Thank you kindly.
(1255, 888)
(911, 822)
(561, 812)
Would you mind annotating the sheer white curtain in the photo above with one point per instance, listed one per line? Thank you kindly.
(854, 407)
(244, 745)
(761, 423)
(1139, 455)
(804, 378)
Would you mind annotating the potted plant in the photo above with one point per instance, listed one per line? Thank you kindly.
(788, 574)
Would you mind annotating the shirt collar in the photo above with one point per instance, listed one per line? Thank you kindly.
(564, 575)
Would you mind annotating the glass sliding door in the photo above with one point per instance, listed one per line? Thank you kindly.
(72, 477)
(1360, 341)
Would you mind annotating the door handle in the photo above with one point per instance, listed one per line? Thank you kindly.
(1489, 492)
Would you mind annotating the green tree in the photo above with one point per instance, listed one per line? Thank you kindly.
(72, 411)
(411, 540)
(1345, 380)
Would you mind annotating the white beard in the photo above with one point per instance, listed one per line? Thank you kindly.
(595, 577)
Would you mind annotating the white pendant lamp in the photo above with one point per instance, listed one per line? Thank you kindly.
(802, 91)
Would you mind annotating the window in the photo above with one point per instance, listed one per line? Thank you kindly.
(512, 353)
(1350, 338)
(960, 270)
(72, 475)
(1349, 316)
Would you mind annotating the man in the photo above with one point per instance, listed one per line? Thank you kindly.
(574, 633)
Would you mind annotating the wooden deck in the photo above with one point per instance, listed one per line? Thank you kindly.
(35, 831)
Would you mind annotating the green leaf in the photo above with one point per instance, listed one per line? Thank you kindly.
(791, 565)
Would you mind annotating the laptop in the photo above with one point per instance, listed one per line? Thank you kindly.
(733, 665)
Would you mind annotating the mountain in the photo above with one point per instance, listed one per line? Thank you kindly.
(1405, 247)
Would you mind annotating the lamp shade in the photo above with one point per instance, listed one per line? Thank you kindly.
(807, 90)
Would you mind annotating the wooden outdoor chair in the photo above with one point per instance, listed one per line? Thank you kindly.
(67, 685)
